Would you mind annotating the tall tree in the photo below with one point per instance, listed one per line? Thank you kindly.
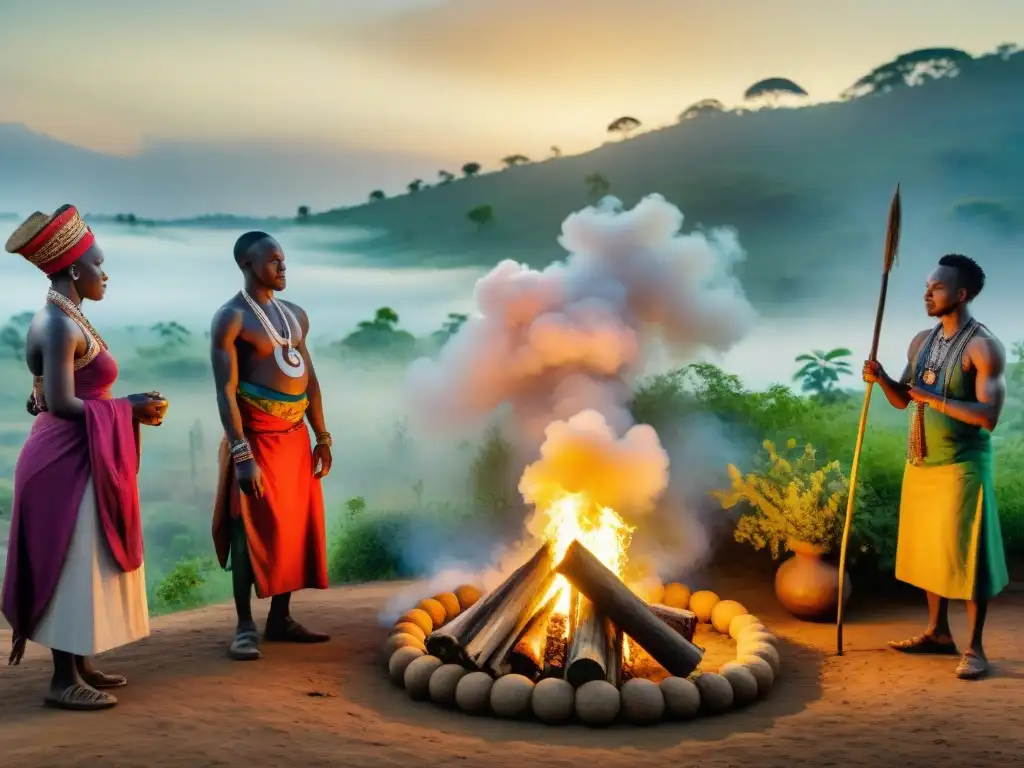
(12, 335)
(470, 169)
(482, 216)
(702, 108)
(771, 89)
(623, 126)
(376, 195)
(556, 151)
(910, 69)
(446, 177)
(821, 370)
(512, 160)
(415, 185)
(303, 212)
(597, 185)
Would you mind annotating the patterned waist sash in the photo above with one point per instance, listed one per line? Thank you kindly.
(291, 408)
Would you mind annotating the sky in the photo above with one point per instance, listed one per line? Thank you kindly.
(482, 78)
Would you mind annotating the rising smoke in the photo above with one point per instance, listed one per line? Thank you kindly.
(562, 348)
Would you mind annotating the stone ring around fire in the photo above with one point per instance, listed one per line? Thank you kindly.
(471, 651)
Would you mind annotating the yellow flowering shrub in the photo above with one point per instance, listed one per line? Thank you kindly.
(788, 498)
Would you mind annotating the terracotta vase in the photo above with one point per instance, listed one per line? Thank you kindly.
(808, 586)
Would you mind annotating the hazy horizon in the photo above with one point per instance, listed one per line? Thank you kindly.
(277, 106)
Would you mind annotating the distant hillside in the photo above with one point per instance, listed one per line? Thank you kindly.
(807, 188)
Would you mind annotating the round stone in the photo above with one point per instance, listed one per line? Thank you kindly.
(750, 639)
(443, 683)
(682, 698)
(598, 703)
(451, 605)
(740, 622)
(642, 701)
(702, 604)
(744, 686)
(434, 610)
(510, 696)
(408, 628)
(762, 672)
(399, 661)
(418, 674)
(420, 618)
(715, 693)
(473, 693)
(767, 652)
(676, 595)
(723, 614)
(553, 700)
(400, 640)
(467, 594)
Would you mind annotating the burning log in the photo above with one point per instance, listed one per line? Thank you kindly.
(474, 636)
(557, 646)
(591, 654)
(628, 612)
(616, 657)
(528, 655)
(682, 621)
(488, 647)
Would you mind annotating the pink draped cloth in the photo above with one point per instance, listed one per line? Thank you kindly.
(49, 481)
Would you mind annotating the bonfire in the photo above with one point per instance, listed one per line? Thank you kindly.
(567, 612)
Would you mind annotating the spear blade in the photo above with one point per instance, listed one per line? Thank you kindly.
(892, 232)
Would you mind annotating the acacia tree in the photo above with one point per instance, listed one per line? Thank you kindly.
(909, 70)
(556, 151)
(13, 334)
(171, 333)
(446, 177)
(303, 212)
(597, 185)
(702, 108)
(470, 169)
(623, 126)
(771, 89)
(513, 160)
(482, 215)
(415, 185)
(376, 195)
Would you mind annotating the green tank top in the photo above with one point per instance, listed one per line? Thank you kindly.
(948, 440)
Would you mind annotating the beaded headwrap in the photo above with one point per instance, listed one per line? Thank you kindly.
(52, 242)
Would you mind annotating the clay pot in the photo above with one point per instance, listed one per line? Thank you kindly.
(808, 586)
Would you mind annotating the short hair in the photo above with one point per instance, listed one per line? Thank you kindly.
(972, 276)
(246, 242)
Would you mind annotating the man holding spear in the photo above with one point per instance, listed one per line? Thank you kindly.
(950, 543)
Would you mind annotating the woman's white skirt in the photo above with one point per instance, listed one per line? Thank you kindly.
(96, 606)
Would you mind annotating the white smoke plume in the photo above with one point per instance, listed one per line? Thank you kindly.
(563, 346)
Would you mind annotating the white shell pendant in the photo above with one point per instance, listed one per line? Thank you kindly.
(290, 362)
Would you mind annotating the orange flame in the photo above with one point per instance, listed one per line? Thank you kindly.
(600, 529)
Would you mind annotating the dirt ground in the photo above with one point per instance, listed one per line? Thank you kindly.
(189, 705)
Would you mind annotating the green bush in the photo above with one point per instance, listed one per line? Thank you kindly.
(362, 547)
(181, 587)
(778, 414)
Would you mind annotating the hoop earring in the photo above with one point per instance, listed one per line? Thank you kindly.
(73, 273)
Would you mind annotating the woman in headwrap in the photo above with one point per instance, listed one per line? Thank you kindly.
(75, 582)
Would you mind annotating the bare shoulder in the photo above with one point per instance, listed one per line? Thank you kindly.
(917, 341)
(228, 317)
(51, 322)
(299, 312)
(986, 351)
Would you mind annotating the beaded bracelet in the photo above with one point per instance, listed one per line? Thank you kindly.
(324, 438)
(239, 446)
(242, 457)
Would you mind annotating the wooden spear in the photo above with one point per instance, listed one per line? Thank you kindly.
(892, 242)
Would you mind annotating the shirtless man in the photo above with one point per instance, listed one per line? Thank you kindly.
(950, 543)
(268, 520)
